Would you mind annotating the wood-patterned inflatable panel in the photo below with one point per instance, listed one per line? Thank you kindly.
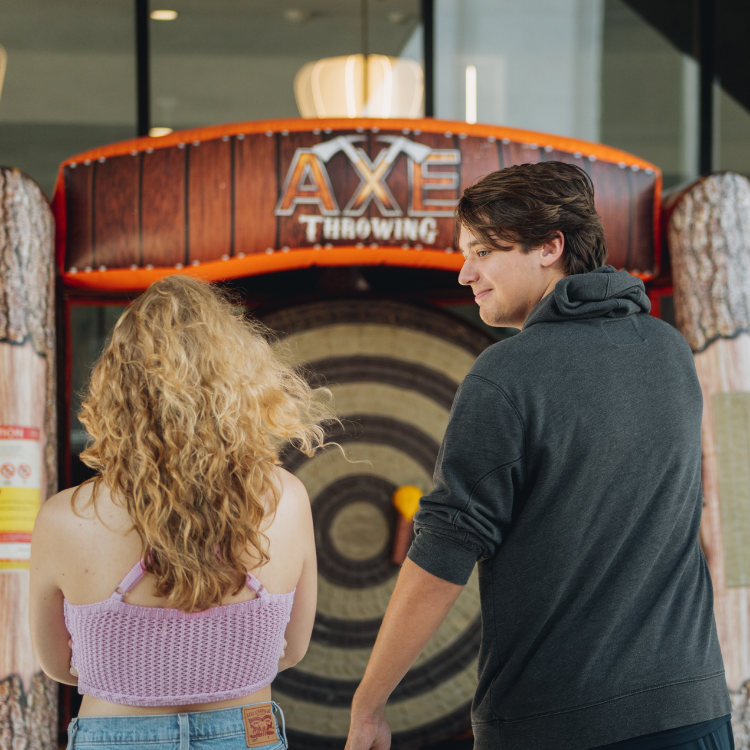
(250, 198)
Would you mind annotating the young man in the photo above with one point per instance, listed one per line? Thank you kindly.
(571, 470)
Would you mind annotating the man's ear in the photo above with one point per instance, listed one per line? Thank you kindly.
(552, 251)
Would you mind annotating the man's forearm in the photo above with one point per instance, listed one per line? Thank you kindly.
(418, 606)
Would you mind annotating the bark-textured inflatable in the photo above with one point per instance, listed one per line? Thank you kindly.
(28, 449)
(708, 234)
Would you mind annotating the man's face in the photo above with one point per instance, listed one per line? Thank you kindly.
(506, 283)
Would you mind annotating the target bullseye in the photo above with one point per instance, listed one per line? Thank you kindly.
(360, 531)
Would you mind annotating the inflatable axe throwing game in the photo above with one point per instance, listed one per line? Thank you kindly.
(253, 198)
(261, 200)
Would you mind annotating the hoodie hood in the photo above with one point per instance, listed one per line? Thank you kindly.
(601, 293)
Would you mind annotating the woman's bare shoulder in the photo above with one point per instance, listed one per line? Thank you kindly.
(58, 509)
(59, 532)
(292, 488)
(71, 516)
(294, 502)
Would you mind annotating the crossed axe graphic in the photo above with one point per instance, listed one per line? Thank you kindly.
(372, 174)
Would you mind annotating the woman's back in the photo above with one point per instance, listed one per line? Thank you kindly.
(98, 546)
(93, 551)
(183, 569)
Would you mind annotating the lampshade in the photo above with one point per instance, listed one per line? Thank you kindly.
(335, 87)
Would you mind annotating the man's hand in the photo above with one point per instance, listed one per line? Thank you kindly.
(368, 731)
(418, 606)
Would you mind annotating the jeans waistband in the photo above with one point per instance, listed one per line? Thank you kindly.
(177, 728)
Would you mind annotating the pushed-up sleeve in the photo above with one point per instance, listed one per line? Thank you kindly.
(479, 472)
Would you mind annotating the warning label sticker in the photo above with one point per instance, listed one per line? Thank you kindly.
(20, 492)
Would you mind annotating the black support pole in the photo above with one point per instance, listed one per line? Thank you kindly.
(143, 76)
(707, 49)
(428, 52)
(365, 44)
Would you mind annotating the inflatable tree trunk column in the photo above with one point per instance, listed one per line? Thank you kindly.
(708, 233)
(28, 455)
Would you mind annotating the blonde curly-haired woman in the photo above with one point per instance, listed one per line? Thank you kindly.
(174, 586)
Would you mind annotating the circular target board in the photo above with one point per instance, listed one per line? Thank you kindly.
(393, 370)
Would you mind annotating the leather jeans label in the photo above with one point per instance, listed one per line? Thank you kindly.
(260, 728)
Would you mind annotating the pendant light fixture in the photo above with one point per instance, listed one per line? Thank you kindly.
(361, 85)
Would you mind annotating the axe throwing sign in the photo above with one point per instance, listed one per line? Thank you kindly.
(429, 191)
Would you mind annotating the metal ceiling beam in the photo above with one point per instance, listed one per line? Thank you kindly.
(428, 53)
(143, 75)
(707, 56)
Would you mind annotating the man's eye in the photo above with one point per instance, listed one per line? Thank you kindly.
(482, 253)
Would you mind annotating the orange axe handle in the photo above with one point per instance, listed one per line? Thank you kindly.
(402, 539)
(406, 500)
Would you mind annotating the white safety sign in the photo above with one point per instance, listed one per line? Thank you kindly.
(20, 492)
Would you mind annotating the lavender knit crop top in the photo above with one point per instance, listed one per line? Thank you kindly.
(152, 656)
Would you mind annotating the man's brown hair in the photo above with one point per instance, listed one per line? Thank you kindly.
(529, 203)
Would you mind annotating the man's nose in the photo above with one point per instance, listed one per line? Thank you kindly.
(468, 274)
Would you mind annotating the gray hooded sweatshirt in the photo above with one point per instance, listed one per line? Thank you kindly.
(571, 470)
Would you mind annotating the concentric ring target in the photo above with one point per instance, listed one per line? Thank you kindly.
(393, 370)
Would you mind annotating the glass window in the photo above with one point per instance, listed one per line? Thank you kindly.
(591, 69)
(650, 94)
(70, 81)
(733, 141)
(227, 61)
(536, 64)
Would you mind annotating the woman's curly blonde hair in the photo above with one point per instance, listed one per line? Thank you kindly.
(188, 408)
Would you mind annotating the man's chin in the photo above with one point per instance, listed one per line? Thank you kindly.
(490, 316)
(496, 318)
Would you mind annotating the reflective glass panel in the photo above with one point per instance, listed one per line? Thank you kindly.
(733, 141)
(70, 81)
(591, 69)
(230, 60)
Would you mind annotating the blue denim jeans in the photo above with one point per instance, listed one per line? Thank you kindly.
(223, 729)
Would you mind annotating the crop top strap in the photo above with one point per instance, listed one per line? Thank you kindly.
(254, 584)
(136, 573)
